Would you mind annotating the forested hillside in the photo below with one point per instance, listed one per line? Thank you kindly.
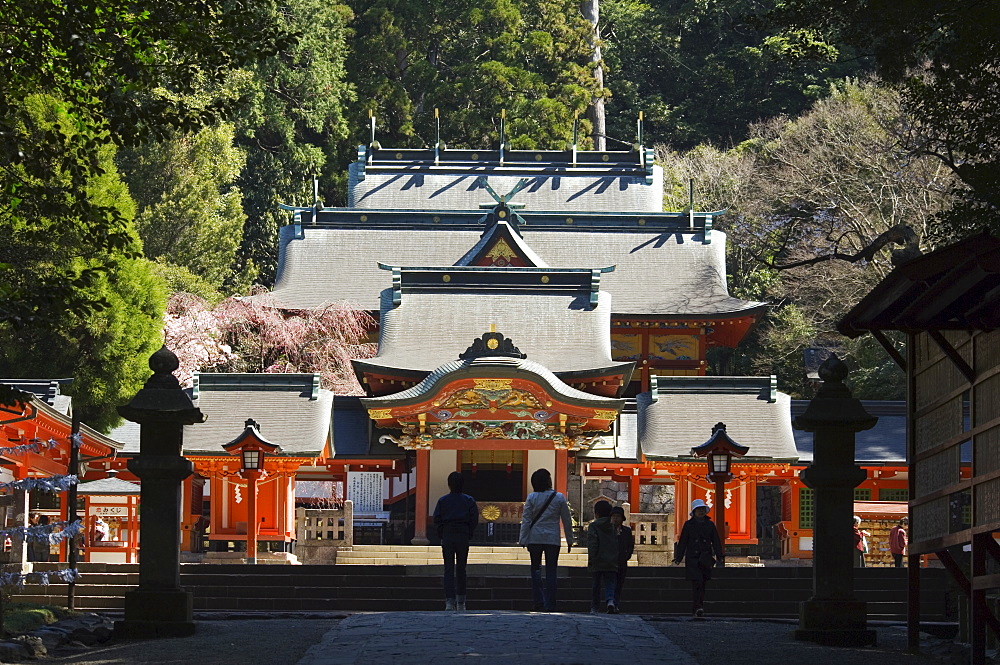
(146, 146)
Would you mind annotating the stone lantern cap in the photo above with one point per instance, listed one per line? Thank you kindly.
(834, 407)
(162, 399)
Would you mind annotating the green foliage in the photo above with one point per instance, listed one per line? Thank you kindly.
(121, 72)
(874, 375)
(104, 349)
(20, 618)
(106, 352)
(783, 340)
(178, 279)
(294, 118)
(471, 58)
(945, 57)
(833, 178)
(190, 211)
(706, 71)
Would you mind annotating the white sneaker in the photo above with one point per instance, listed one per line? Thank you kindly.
(449, 605)
(460, 604)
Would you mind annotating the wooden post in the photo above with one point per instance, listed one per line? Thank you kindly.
(252, 477)
(720, 511)
(561, 479)
(633, 492)
(72, 554)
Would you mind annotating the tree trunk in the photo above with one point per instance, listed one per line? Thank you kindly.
(595, 112)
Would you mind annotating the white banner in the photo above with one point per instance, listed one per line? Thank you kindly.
(109, 511)
(364, 488)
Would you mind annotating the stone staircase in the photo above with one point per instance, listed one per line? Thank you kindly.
(426, 555)
(761, 592)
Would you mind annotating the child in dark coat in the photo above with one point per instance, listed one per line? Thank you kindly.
(455, 516)
(699, 541)
(602, 558)
(626, 547)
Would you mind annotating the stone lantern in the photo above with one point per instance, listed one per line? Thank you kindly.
(159, 607)
(833, 615)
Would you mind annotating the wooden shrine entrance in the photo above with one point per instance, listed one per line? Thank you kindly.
(494, 475)
(495, 417)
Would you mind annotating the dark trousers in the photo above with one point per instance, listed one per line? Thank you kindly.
(859, 558)
(455, 549)
(544, 596)
(620, 582)
(897, 560)
(697, 594)
(603, 589)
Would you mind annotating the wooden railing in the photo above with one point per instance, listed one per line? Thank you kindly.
(654, 537)
(320, 532)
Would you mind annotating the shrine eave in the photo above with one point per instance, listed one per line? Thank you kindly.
(369, 218)
(492, 368)
(108, 487)
(953, 288)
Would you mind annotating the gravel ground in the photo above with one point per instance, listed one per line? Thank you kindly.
(277, 641)
(716, 641)
(284, 640)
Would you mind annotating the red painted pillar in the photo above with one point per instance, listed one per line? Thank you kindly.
(633, 493)
(423, 487)
(562, 462)
(252, 515)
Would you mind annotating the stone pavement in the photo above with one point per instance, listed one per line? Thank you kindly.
(491, 638)
(494, 638)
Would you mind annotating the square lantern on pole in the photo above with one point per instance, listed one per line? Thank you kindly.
(719, 450)
(252, 449)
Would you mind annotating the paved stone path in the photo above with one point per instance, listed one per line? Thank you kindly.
(492, 638)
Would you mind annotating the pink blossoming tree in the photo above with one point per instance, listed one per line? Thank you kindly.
(253, 335)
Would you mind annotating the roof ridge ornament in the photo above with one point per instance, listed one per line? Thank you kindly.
(492, 345)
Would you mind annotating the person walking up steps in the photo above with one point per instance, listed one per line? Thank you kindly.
(699, 541)
(626, 547)
(602, 559)
(543, 510)
(455, 516)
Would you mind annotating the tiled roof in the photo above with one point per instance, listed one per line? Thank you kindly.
(560, 331)
(353, 436)
(883, 444)
(291, 411)
(679, 417)
(108, 487)
(426, 190)
(47, 390)
(657, 272)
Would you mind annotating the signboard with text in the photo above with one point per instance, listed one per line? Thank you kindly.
(109, 511)
(364, 488)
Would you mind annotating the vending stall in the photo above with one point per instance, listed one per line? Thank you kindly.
(111, 520)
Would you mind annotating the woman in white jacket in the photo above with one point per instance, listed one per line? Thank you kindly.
(543, 510)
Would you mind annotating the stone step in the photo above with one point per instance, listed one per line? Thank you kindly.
(746, 592)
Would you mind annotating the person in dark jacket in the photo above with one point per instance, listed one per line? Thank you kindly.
(626, 547)
(455, 516)
(699, 541)
(602, 559)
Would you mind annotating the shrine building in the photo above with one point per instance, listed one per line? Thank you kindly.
(536, 309)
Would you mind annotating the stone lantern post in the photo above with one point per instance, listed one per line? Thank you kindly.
(159, 607)
(833, 615)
